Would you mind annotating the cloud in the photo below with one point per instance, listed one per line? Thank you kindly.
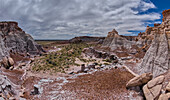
(64, 19)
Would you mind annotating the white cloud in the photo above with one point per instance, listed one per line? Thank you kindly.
(59, 19)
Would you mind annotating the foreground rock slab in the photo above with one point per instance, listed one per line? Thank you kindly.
(139, 80)
(153, 88)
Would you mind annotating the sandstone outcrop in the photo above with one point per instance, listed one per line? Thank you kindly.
(157, 58)
(152, 89)
(139, 80)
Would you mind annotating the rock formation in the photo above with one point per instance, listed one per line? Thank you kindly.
(114, 41)
(153, 45)
(14, 40)
(99, 54)
(157, 58)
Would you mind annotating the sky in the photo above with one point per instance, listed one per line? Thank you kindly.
(65, 19)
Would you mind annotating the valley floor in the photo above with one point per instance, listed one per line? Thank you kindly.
(107, 82)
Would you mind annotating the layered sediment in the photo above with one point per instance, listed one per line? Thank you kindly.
(13, 39)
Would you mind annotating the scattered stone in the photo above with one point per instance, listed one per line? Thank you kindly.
(32, 60)
(21, 65)
(11, 61)
(12, 98)
(71, 72)
(21, 94)
(36, 90)
(82, 67)
(139, 80)
(11, 68)
(91, 66)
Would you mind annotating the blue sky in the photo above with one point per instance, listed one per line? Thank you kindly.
(65, 19)
(160, 6)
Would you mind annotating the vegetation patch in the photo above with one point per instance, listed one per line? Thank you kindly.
(60, 60)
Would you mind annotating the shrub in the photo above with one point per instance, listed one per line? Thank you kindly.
(60, 60)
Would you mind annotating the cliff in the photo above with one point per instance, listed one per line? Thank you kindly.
(14, 40)
(157, 58)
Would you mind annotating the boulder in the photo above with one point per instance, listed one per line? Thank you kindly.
(11, 61)
(168, 87)
(164, 96)
(139, 80)
(155, 81)
(147, 93)
(83, 67)
(37, 89)
(152, 89)
(5, 62)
